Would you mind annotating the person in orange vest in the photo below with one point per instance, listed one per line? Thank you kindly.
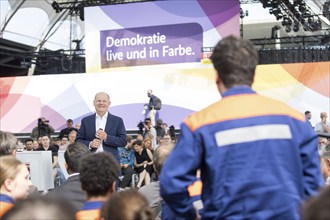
(98, 174)
(14, 182)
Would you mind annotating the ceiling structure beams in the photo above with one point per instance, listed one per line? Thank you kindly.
(14, 8)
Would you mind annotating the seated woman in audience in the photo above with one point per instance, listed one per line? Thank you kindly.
(143, 163)
(128, 205)
(14, 182)
(147, 143)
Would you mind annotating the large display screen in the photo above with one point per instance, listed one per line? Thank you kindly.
(156, 33)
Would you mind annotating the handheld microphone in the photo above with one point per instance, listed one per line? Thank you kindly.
(94, 149)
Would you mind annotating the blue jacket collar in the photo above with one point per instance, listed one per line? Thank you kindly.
(91, 205)
(7, 199)
(237, 90)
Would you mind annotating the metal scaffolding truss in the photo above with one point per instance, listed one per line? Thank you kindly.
(289, 42)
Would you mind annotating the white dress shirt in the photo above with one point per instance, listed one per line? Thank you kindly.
(100, 122)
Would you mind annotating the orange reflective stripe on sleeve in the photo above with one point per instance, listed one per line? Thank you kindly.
(4, 207)
(195, 189)
(88, 214)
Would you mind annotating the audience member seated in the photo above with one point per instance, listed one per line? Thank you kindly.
(126, 163)
(41, 208)
(149, 131)
(8, 148)
(66, 131)
(143, 163)
(72, 136)
(139, 137)
(127, 205)
(152, 191)
(29, 144)
(36, 145)
(46, 146)
(322, 126)
(147, 143)
(322, 141)
(43, 128)
(161, 141)
(325, 163)
(64, 143)
(308, 116)
(165, 126)
(317, 208)
(7, 144)
(167, 139)
(39, 142)
(71, 190)
(14, 182)
(56, 141)
(98, 175)
(159, 128)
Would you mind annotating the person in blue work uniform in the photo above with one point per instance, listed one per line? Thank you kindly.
(14, 182)
(98, 174)
(258, 156)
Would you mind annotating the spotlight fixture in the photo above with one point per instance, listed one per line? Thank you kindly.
(242, 14)
(326, 9)
(302, 8)
(288, 29)
(295, 27)
(56, 7)
(296, 14)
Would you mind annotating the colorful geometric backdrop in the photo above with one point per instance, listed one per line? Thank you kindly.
(58, 97)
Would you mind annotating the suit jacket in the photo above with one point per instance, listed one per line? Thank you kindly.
(70, 191)
(115, 129)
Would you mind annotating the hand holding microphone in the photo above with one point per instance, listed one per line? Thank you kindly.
(100, 134)
(96, 143)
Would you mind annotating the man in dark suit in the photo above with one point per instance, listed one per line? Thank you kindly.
(102, 131)
(71, 189)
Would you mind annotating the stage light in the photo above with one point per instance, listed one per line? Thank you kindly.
(287, 29)
(302, 8)
(56, 7)
(279, 16)
(295, 27)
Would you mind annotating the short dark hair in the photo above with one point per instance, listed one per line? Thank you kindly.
(69, 120)
(235, 61)
(7, 144)
(160, 155)
(307, 112)
(73, 154)
(98, 172)
(137, 142)
(128, 204)
(40, 208)
(27, 140)
(317, 207)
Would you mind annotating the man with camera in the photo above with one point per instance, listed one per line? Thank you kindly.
(150, 131)
(43, 128)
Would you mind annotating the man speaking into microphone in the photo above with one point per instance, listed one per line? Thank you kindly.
(102, 131)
